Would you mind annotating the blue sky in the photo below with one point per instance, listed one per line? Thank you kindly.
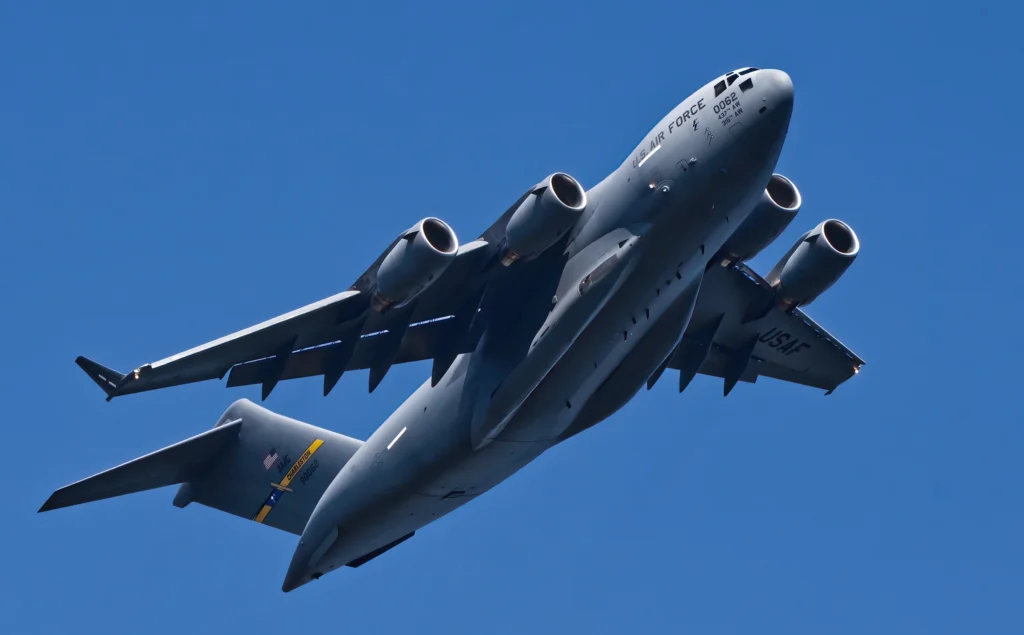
(171, 175)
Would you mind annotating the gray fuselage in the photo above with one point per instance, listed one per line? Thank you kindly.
(569, 348)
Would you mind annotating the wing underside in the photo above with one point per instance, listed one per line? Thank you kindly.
(328, 337)
(341, 332)
(738, 333)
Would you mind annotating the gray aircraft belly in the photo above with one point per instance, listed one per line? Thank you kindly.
(668, 270)
(588, 283)
(417, 467)
(465, 478)
(421, 477)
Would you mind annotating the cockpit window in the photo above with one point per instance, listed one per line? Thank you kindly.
(746, 84)
(719, 88)
(732, 77)
(749, 70)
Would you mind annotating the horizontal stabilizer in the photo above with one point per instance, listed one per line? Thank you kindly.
(106, 378)
(174, 464)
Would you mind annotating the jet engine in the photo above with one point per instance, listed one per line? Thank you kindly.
(544, 216)
(775, 210)
(420, 256)
(814, 263)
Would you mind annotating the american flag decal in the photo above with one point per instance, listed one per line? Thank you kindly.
(270, 459)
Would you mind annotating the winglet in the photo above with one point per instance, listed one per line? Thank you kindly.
(106, 378)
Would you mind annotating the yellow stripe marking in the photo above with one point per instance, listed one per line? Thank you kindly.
(292, 473)
(263, 513)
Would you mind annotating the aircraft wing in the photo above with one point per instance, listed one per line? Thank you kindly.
(337, 333)
(739, 333)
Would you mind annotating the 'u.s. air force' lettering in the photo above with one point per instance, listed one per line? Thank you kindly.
(278, 489)
(783, 342)
(654, 144)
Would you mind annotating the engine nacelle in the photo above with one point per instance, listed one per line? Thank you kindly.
(775, 210)
(420, 256)
(814, 263)
(547, 213)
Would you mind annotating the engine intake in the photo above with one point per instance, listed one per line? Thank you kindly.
(775, 210)
(420, 256)
(814, 263)
(544, 216)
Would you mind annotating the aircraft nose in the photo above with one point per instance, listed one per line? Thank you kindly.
(779, 89)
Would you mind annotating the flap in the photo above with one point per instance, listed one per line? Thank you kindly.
(421, 341)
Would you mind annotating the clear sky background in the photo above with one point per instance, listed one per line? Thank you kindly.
(171, 175)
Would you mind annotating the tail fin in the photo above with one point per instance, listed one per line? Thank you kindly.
(252, 463)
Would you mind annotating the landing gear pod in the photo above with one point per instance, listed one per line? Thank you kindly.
(419, 257)
(547, 213)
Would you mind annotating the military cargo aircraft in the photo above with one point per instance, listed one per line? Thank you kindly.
(545, 325)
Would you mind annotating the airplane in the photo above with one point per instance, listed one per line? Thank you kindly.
(548, 323)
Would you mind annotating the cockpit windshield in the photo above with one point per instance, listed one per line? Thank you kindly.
(732, 77)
